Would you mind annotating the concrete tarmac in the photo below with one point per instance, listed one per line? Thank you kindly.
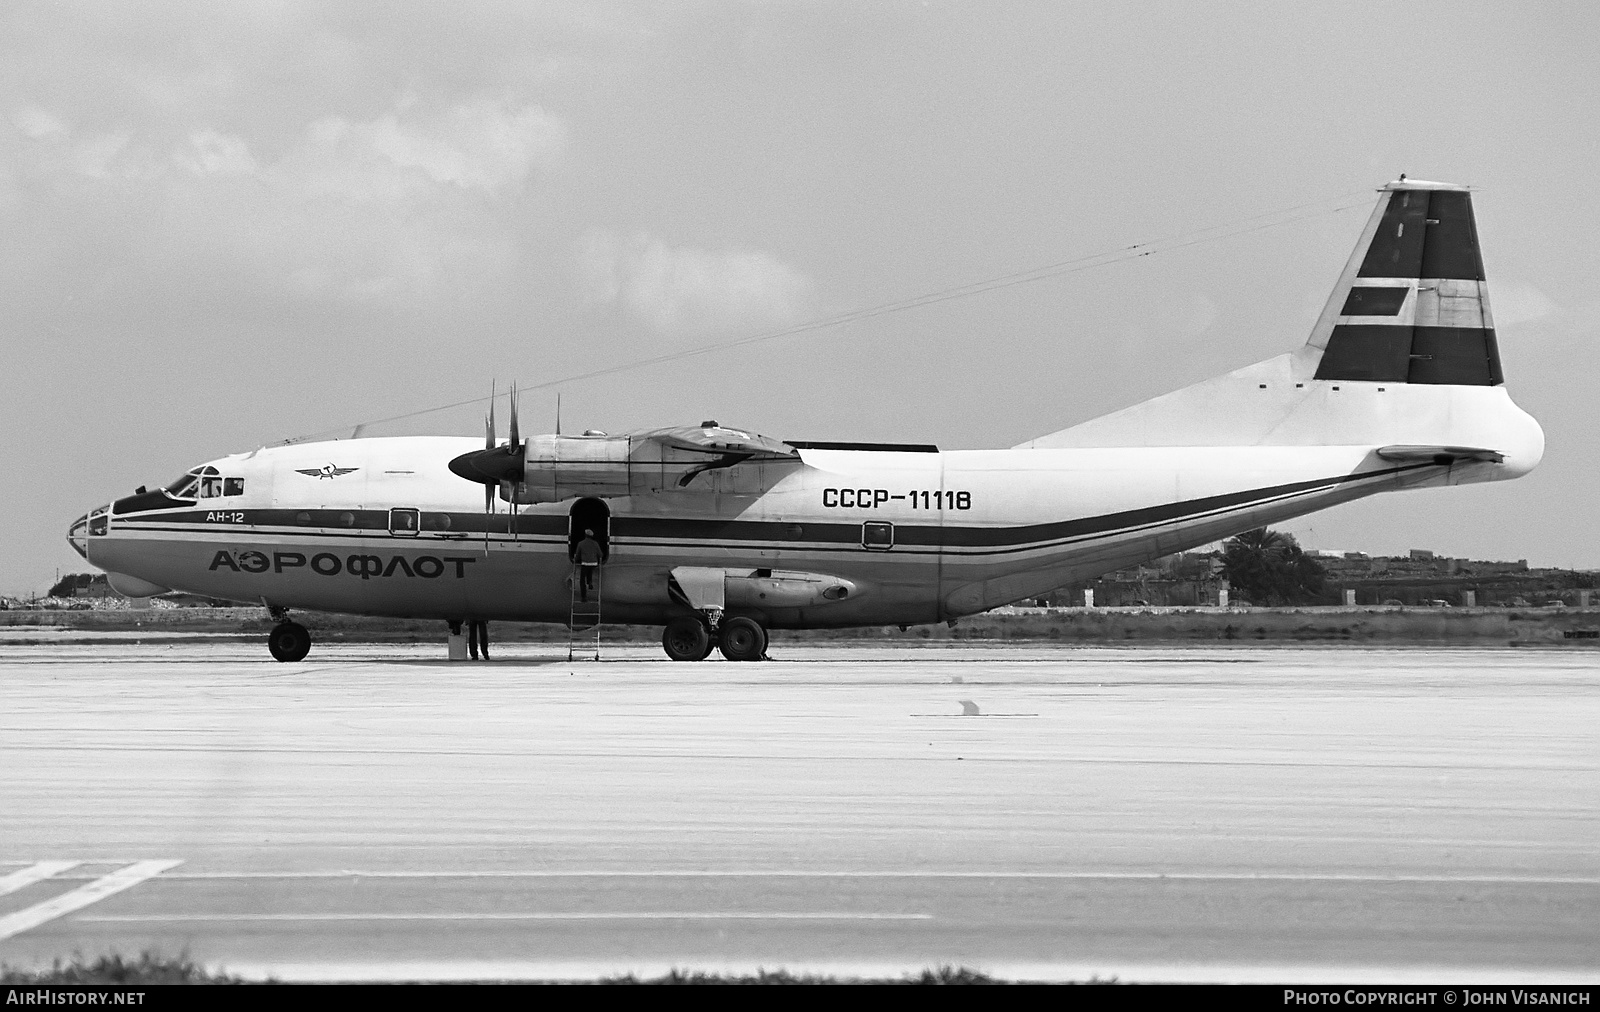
(1221, 813)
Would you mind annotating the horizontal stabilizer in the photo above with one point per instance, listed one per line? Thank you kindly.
(1440, 454)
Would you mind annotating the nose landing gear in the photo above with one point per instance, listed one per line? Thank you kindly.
(289, 641)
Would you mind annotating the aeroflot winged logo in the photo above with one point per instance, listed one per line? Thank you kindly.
(325, 471)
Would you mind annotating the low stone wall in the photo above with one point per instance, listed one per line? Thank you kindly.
(1477, 626)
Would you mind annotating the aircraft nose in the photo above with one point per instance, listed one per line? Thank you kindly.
(91, 524)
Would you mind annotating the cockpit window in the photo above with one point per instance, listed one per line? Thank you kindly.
(183, 488)
(203, 481)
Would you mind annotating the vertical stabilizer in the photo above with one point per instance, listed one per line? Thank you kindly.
(1412, 305)
(1403, 353)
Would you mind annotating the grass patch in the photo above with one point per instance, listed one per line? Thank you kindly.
(941, 975)
(149, 968)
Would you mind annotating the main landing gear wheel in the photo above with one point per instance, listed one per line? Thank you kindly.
(742, 639)
(289, 641)
(687, 639)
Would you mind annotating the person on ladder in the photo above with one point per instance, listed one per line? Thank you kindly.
(588, 558)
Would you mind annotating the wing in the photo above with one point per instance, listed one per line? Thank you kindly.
(721, 446)
(310, 472)
(344, 470)
(711, 438)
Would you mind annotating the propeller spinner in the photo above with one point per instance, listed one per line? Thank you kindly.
(494, 463)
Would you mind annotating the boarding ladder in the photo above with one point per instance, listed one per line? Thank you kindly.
(583, 629)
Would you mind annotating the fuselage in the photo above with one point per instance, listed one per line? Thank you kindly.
(380, 526)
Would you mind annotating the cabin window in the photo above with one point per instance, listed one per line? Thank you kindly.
(404, 522)
(233, 486)
(877, 535)
(210, 487)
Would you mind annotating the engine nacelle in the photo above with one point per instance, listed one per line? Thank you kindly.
(572, 467)
(552, 468)
(556, 468)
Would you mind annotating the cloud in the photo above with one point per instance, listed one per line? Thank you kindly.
(415, 204)
(59, 152)
(1514, 302)
(683, 289)
(109, 156)
(210, 153)
(485, 144)
(489, 144)
(38, 124)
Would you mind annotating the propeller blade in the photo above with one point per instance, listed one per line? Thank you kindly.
(489, 436)
(516, 442)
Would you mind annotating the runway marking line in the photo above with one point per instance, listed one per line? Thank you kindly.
(651, 756)
(624, 915)
(77, 899)
(1042, 875)
(37, 872)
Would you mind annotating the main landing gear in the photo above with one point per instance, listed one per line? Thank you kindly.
(739, 638)
(687, 639)
(289, 641)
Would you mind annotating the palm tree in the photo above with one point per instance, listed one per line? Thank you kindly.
(1268, 567)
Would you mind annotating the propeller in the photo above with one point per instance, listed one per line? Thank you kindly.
(495, 463)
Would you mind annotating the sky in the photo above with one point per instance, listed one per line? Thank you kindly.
(225, 225)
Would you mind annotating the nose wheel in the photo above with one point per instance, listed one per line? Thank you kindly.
(289, 641)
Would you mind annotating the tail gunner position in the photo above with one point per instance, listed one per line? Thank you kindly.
(720, 535)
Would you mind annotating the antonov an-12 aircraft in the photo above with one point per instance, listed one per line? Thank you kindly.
(720, 535)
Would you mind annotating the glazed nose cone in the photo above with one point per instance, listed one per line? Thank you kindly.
(91, 524)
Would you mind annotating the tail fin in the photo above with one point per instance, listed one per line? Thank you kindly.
(1403, 353)
(1412, 305)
